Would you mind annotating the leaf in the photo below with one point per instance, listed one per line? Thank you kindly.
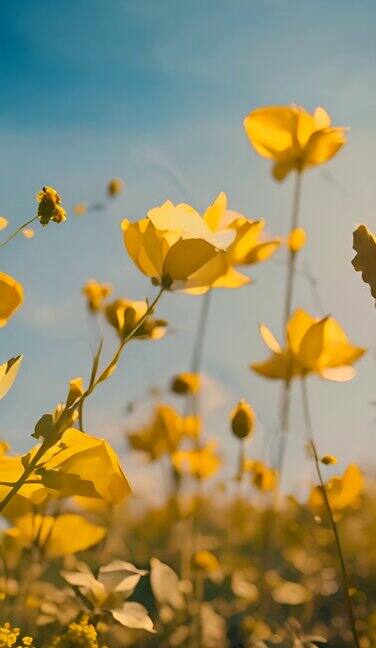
(365, 260)
(120, 576)
(67, 484)
(8, 374)
(165, 585)
(133, 615)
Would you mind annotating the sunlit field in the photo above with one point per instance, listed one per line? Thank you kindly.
(167, 528)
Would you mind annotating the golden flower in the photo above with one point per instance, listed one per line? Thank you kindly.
(293, 138)
(200, 463)
(264, 478)
(80, 209)
(9, 636)
(81, 634)
(163, 434)
(243, 420)
(115, 187)
(96, 293)
(175, 248)
(11, 297)
(186, 383)
(312, 346)
(49, 207)
(124, 314)
(3, 222)
(342, 491)
(296, 239)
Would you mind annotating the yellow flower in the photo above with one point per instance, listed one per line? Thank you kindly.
(175, 248)
(81, 634)
(201, 463)
(115, 187)
(342, 491)
(296, 239)
(9, 636)
(80, 209)
(312, 346)
(11, 297)
(28, 232)
(243, 420)
(293, 138)
(66, 534)
(264, 478)
(3, 222)
(163, 435)
(206, 561)
(329, 460)
(96, 293)
(124, 314)
(49, 207)
(186, 383)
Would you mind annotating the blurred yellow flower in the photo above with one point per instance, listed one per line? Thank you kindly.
(175, 248)
(96, 293)
(80, 209)
(11, 297)
(124, 314)
(293, 138)
(365, 258)
(115, 187)
(296, 239)
(3, 222)
(79, 633)
(28, 232)
(206, 561)
(186, 383)
(49, 206)
(200, 463)
(9, 636)
(342, 491)
(242, 420)
(163, 434)
(329, 460)
(264, 478)
(312, 346)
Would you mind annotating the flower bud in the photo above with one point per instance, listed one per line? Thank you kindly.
(186, 383)
(243, 420)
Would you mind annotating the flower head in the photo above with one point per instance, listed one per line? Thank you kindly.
(96, 293)
(175, 248)
(186, 383)
(115, 187)
(200, 463)
(11, 297)
(263, 477)
(124, 314)
(312, 346)
(243, 420)
(81, 634)
(293, 138)
(342, 491)
(163, 434)
(49, 207)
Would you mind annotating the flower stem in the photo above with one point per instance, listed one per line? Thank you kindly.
(201, 332)
(345, 579)
(19, 229)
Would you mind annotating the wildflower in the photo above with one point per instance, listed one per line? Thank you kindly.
(365, 258)
(296, 239)
(186, 383)
(80, 209)
(243, 420)
(28, 232)
(9, 636)
(342, 491)
(175, 248)
(11, 297)
(3, 222)
(49, 207)
(79, 634)
(312, 346)
(200, 463)
(163, 435)
(115, 187)
(293, 138)
(124, 314)
(264, 478)
(96, 293)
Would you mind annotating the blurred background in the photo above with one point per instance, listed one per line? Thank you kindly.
(155, 93)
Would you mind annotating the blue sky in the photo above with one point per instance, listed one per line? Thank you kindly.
(155, 92)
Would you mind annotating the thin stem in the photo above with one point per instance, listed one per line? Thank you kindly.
(345, 579)
(19, 229)
(201, 332)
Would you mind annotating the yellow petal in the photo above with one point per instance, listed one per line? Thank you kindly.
(190, 259)
(276, 367)
(3, 222)
(297, 326)
(338, 374)
(214, 214)
(8, 374)
(272, 130)
(323, 145)
(325, 345)
(232, 279)
(11, 297)
(321, 117)
(269, 339)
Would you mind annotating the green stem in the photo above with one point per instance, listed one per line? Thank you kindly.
(19, 229)
(345, 579)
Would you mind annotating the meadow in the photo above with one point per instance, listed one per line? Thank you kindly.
(217, 561)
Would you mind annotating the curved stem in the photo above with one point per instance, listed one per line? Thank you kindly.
(345, 579)
(19, 229)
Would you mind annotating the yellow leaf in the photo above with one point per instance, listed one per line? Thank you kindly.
(365, 258)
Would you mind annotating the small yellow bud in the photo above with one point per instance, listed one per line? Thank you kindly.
(186, 383)
(296, 239)
(3, 223)
(243, 420)
(206, 561)
(115, 187)
(328, 460)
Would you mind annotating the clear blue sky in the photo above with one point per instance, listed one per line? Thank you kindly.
(155, 92)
